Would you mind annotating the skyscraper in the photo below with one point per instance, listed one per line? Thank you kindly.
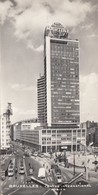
(61, 71)
(41, 99)
(58, 93)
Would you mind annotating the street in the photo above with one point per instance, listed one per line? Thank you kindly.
(18, 185)
(93, 190)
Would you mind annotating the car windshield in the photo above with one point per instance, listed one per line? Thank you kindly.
(22, 168)
(59, 177)
(10, 170)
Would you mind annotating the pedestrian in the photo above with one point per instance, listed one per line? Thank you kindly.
(85, 168)
(88, 160)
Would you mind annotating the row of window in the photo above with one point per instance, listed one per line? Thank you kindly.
(62, 131)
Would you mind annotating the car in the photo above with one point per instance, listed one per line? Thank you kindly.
(10, 171)
(31, 171)
(82, 182)
(21, 170)
(10, 166)
(35, 154)
(41, 155)
(28, 180)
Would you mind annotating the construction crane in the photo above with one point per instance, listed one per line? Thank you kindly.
(8, 112)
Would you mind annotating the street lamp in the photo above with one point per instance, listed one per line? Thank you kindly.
(74, 161)
(85, 147)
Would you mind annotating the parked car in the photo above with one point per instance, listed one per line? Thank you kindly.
(28, 180)
(31, 171)
(35, 154)
(82, 182)
(41, 155)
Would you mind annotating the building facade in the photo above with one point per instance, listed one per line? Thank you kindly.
(91, 132)
(25, 132)
(54, 139)
(58, 95)
(41, 99)
(96, 136)
(61, 71)
(4, 132)
(61, 103)
(51, 139)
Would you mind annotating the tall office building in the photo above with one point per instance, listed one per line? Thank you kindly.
(58, 94)
(41, 99)
(61, 71)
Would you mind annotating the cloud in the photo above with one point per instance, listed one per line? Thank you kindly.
(93, 35)
(87, 27)
(39, 49)
(5, 8)
(22, 87)
(30, 17)
(22, 114)
(89, 97)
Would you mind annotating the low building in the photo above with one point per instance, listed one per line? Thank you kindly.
(91, 132)
(54, 139)
(96, 136)
(48, 139)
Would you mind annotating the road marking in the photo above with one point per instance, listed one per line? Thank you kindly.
(46, 191)
(14, 191)
(49, 179)
(56, 193)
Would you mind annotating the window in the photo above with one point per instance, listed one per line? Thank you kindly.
(43, 131)
(48, 131)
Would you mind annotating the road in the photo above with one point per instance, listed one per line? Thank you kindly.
(18, 185)
(93, 190)
(18, 180)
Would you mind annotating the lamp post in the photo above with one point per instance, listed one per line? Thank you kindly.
(74, 162)
(85, 149)
(86, 163)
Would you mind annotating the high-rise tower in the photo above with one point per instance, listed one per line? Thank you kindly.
(41, 99)
(61, 64)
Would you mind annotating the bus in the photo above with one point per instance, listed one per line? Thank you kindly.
(56, 173)
(41, 173)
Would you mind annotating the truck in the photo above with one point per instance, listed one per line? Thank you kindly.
(41, 173)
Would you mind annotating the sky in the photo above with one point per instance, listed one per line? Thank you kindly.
(22, 24)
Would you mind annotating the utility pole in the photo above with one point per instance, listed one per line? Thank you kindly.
(74, 161)
(86, 163)
(85, 149)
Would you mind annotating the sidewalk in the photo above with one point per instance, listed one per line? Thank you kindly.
(46, 162)
(80, 160)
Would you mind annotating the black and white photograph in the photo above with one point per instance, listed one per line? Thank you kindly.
(49, 97)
